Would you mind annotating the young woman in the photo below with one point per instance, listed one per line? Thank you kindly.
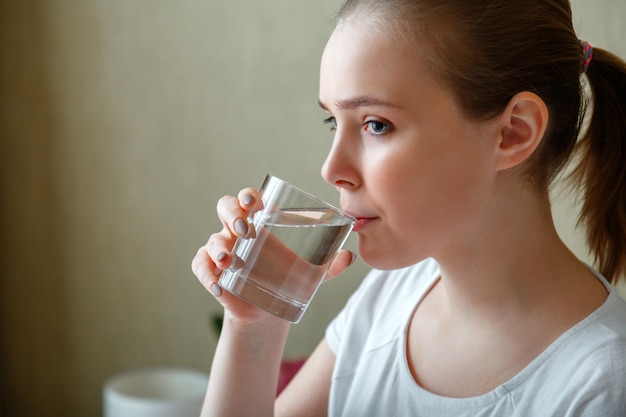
(450, 121)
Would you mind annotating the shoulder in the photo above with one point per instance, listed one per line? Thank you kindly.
(597, 374)
(600, 339)
(603, 333)
(584, 372)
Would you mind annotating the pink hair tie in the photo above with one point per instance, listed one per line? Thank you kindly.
(587, 56)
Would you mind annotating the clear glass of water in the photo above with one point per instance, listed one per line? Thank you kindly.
(297, 237)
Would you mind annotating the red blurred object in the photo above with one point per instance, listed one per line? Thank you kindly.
(288, 369)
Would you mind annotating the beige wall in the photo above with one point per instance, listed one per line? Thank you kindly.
(121, 123)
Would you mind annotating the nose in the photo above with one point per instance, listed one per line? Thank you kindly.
(340, 169)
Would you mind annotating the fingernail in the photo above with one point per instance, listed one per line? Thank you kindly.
(241, 227)
(221, 256)
(247, 199)
(353, 259)
(216, 290)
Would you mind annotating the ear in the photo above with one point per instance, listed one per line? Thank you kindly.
(522, 126)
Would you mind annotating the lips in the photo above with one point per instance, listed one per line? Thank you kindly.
(362, 222)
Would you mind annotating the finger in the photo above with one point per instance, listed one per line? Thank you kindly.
(233, 216)
(206, 271)
(204, 268)
(212, 258)
(209, 263)
(342, 260)
(250, 200)
(219, 249)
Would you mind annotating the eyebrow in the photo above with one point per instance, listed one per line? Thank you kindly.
(354, 102)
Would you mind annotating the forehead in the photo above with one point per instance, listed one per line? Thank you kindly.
(360, 59)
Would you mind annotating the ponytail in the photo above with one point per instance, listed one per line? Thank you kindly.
(601, 171)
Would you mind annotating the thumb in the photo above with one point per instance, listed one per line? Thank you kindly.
(343, 260)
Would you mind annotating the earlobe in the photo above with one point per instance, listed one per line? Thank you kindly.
(523, 124)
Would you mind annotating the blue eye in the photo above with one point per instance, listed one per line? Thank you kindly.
(376, 127)
(332, 122)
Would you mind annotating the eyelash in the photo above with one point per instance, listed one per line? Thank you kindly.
(332, 121)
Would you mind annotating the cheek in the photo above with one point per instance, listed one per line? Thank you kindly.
(407, 229)
(424, 203)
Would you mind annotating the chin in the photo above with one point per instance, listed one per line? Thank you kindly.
(385, 259)
(379, 259)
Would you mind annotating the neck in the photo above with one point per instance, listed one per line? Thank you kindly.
(513, 264)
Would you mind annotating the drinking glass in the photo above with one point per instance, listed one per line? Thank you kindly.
(296, 236)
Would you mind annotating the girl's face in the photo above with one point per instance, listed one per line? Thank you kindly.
(407, 163)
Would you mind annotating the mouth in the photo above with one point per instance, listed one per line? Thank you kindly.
(362, 222)
(362, 218)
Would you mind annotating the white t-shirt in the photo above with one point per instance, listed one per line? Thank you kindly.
(582, 374)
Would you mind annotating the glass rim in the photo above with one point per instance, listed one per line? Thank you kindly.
(269, 176)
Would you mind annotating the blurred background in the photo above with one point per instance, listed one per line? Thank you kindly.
(121, 124)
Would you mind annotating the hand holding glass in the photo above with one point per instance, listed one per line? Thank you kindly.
(281, 267)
